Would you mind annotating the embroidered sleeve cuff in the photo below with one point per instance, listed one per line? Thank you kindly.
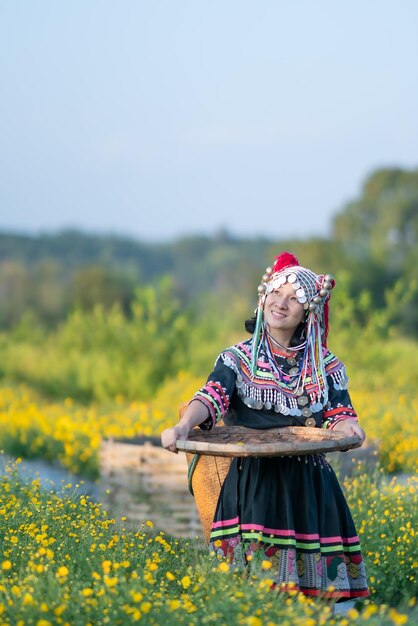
(333, 416)
(216, 400)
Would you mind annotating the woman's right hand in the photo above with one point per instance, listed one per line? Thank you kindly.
(170, 436)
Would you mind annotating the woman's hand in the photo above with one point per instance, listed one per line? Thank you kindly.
(350, 427)
(170, 436)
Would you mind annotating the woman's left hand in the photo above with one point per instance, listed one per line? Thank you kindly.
(350, 427)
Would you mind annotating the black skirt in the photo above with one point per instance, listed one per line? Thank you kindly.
(291, 512)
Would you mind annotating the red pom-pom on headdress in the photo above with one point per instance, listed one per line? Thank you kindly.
(285, 259)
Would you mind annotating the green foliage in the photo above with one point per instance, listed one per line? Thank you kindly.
(100, 354)
(382, 224)
(373, 247)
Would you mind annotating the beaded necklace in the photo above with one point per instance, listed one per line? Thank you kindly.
(279, 345)
(287, 381)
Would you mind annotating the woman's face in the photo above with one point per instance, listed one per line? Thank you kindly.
(282, 310)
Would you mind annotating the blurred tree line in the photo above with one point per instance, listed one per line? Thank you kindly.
(372, 251)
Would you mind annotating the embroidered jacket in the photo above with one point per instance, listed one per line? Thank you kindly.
(277, 395)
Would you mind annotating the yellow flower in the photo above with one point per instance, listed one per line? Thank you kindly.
(88, 591)
(136, 596)
(146, 607)
(253, 621)
(27, 599)
(223, 567)
(174, 605)
(6, 565)
(59, 610)
(110, 581)
(170, 576)
(370, 610)
(63, 571)
(186, 582)
(266, 564)
(397, 618)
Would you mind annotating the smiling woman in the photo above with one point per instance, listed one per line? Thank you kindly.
(282, 314)
(289, 510)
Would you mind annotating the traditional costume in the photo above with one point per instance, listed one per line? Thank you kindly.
(290, 510)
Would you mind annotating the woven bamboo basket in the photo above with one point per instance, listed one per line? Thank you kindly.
(206, 477)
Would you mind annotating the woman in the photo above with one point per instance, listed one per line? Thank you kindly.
(291, 509)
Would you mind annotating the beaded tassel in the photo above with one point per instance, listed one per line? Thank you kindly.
(256, 341)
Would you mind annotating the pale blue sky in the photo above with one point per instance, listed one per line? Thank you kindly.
(169, 117)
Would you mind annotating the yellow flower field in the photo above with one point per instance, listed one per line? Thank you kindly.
(64, 561)
(70, 432)
(391, 420)
(31, 426)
